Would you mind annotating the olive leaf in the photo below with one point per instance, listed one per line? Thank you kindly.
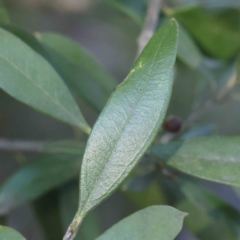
(29, 78)
(128, 123)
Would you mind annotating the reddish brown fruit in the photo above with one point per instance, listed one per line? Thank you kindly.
(173, 125)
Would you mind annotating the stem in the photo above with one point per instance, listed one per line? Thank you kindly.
(49, 147)
(73, 228)
(150, 24)
(16, 145)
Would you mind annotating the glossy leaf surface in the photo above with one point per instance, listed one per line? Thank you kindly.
(26, 76)
(130, 120)
(156, 222)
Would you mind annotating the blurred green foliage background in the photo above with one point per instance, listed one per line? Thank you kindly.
(206, 83)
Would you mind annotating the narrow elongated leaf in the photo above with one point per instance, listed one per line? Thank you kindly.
(4, 18)
(217, 32)
(128, 123)
(154, 195)
(238, 68)
(65, 147)
(7, 233)
(188, 51)
(199, 131)
(26, 76)
(156, 222)
(81, 71)
(36, 179)
(27, 38)
(46, 210)
(183, 94)
(179, 5)
(133, 8)
(130, 120)
(213, 158)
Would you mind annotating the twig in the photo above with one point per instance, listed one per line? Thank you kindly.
(50, 147)
(21, 146)
(150, 24)
(73, 228)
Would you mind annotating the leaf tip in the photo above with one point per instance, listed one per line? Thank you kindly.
(88, 130)
(173, 22)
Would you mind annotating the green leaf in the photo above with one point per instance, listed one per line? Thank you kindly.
(28, 38)
(130, 120)
(154, 195)
(180, 5)
(199, 131)
(218, 214)
(26, 76)
(188, 51)
(132, 9)
(206, 227)
(4, 17)
(212, 158)
(195, 212)
(84, 75)
(218, 209)
(217, 32)
(46, 211)
(64, 146)
(7, 233)
(156, 222)
(183, 92)
(238, 68)
(35, 179)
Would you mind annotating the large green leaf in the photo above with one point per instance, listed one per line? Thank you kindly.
(79, 69)
(7, 233)
(35, 179)
(156, 222)
(129, 122)
(212, 158)
(217, 32)
(26, 76)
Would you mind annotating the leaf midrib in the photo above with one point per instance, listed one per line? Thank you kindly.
(42, 89)
(127, 121)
